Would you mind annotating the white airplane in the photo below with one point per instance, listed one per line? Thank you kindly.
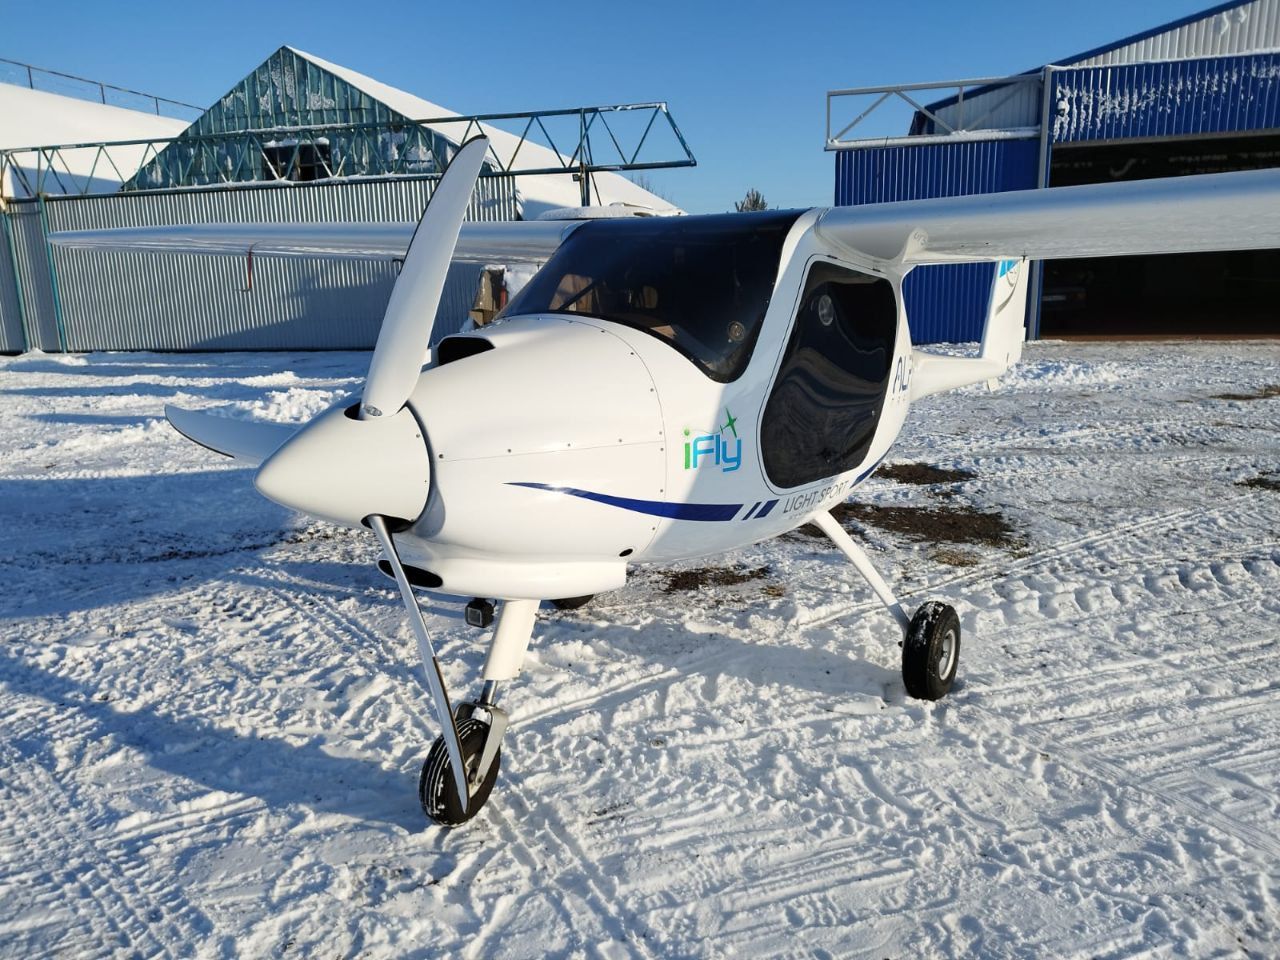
(662, 389)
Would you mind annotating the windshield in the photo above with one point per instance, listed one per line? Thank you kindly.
(701, 284)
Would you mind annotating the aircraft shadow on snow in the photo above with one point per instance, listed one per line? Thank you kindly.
(92, 542)
(219, 758)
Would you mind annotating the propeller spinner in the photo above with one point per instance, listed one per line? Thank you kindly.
(347, 465)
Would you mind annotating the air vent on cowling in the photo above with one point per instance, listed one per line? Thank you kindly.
(457, 348)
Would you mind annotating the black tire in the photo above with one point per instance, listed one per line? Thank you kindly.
(931, 651)
(573, 603)
(436, 789)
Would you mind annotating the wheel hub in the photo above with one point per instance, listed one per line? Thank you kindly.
(946, 653)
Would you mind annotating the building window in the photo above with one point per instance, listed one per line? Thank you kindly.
(300, 162)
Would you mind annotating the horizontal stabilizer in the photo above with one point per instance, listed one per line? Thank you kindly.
(507, 241)
(1218, 211)
(1002, 336)
(245, 440)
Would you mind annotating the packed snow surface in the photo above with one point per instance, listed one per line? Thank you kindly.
(212, 721)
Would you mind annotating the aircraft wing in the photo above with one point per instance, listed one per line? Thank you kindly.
(1221, 211)
(1209, 212)
(506, 241)
(246, 440)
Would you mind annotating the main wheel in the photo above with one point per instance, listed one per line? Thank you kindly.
(931, 651)
(436, 789)
(573, 603)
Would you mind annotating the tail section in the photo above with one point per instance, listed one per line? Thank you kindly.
(1005, 330)
(1002, 338)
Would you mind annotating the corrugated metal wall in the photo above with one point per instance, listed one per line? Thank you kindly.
(13, 339)
(884, 174)
(34, 287)
(944, 303)
(996, 107)
(1178, 98)
(1230, 28)
(135, 301)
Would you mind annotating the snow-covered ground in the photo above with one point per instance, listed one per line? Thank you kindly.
(211, 722)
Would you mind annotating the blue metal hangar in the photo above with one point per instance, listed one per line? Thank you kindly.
(1199, 95)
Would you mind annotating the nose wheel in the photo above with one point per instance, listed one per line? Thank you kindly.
(463, 763)
(437, 788)
(931, 651)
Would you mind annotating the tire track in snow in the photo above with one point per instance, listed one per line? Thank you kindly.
(596, 892)
(322, 612)
(93, 876)
(1178, 792)
(1005, 569)
(352, 636)
(599, 891)
(1207, 588)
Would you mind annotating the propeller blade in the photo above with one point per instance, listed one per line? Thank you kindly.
(244, 440)
(406, 326)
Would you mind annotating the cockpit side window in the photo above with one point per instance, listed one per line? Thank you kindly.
(827, 398)
(702, 284)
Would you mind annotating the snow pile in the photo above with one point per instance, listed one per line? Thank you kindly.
(211, 718)
(1055, 373)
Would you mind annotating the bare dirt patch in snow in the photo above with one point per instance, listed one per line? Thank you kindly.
(1265, 393)
(957, 523)
(922, 474)
(954, 557)
(952, 523)
(949, 523)
(701, 577)
(1261, 483)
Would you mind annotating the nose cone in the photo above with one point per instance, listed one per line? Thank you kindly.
(342, 469)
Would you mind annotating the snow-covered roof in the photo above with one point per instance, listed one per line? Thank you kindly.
(36, 118)
(1236, 27)
(538, 194)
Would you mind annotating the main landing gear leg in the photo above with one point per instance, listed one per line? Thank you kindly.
(481, 725)
(931, 641)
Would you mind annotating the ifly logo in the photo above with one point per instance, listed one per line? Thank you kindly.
(724, 453)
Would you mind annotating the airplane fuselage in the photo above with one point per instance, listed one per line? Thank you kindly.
(565, 446)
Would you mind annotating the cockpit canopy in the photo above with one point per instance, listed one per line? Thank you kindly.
(700, 283)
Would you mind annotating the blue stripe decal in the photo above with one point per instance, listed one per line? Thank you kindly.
(868, 472)
(654, 508)
(747, 515)
(764, 511)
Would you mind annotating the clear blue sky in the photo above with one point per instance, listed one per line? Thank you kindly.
(745, 81)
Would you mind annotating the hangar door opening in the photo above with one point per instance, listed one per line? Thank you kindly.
(1216, 294)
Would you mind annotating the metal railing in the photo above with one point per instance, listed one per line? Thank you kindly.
(942, 119)
(32, 72)
(333, 151)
